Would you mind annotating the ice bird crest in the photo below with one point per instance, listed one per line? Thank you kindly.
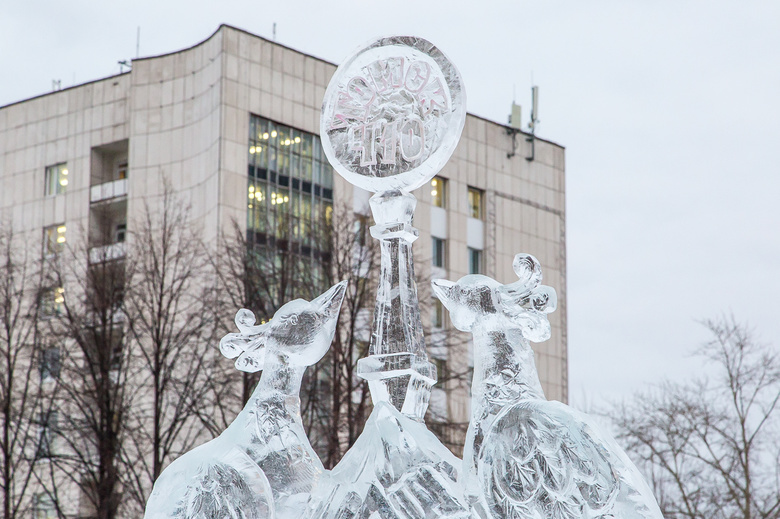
(248, 345)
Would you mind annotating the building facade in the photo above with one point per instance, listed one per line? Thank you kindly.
(231, 123)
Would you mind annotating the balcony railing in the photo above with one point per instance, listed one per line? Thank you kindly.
(107, 252)
(108, 190)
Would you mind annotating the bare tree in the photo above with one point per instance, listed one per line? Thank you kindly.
(336, 402)
(25, 365)
(262, 271)
(711, 447)
(170, 330)
(294, 259)
(83, 301)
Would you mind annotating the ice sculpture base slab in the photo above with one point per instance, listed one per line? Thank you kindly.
(398, 469)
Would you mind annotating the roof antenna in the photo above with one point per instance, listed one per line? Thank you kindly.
(274, 33)
(138, 43)
(515, 123)
(534, 121)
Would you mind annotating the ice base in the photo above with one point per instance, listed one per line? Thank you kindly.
(396, 469)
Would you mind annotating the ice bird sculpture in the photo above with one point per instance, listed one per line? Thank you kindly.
(526, 457)
(262, 466)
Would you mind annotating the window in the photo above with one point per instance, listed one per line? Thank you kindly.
(476, 197)
(49, 363)
(44, 507)
(52, 301)
(47, 431)
(362, 232)
(53, 239)
(439, 191)
(117, 357)
(56, 179)
(438, 254)
(438, 314)
(442, 371)
(120, 172)
(120, 231)
(475, 261)
(290, 189)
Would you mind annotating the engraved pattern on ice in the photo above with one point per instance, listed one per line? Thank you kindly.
(393, 114)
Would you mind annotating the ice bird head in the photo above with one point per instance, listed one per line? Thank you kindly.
(471, 298)
(300, 330)
(479, 299)
(303, 330)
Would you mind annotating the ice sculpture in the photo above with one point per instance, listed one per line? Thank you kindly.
(391, 117)
(526, 456)
(262, 465)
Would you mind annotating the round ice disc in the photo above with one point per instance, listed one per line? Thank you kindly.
(393, 114)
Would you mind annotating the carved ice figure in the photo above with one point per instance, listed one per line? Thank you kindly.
(526, 457)
(397, 469)
(262, 466)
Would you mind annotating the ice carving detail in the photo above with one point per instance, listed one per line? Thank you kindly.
(262, 465)
(526, 456)
(391, 117)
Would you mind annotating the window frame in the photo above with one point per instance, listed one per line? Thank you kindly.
(480, 260)
(52, 302)
(480, 193)
(438, 245)
(437, 315)
(46, 361)
(52, 246)
(48, 428)
(439, 185)
(54, 175)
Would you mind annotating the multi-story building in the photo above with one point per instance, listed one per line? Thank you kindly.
(231, 123)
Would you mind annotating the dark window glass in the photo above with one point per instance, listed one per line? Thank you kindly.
(49, 363)
(475, 261)
(438, 254)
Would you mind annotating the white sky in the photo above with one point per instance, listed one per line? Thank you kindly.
(669, 110)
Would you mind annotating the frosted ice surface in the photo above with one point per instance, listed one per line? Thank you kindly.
(526, 456)
(391, 118)
(393, 114)
(262, 465)
(397, 367)
(397, 469)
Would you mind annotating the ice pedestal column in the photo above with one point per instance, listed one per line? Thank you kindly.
(397, 367)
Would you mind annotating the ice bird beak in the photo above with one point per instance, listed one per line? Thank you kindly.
(330, 302)
(442, 288)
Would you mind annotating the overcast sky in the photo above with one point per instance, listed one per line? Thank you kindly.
(669, 111)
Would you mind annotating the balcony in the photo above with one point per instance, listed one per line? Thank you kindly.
(110, 252)
(108, 190)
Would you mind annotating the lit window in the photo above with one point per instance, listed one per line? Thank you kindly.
(476, 197)
(54, 239)
(56, 179)
(438, 314)
(121, 171)
(289, 189)
(475, 261)
(52, 301)
(438, 191)
(438, 255)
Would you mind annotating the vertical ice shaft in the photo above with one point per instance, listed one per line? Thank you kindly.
(397, 367)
